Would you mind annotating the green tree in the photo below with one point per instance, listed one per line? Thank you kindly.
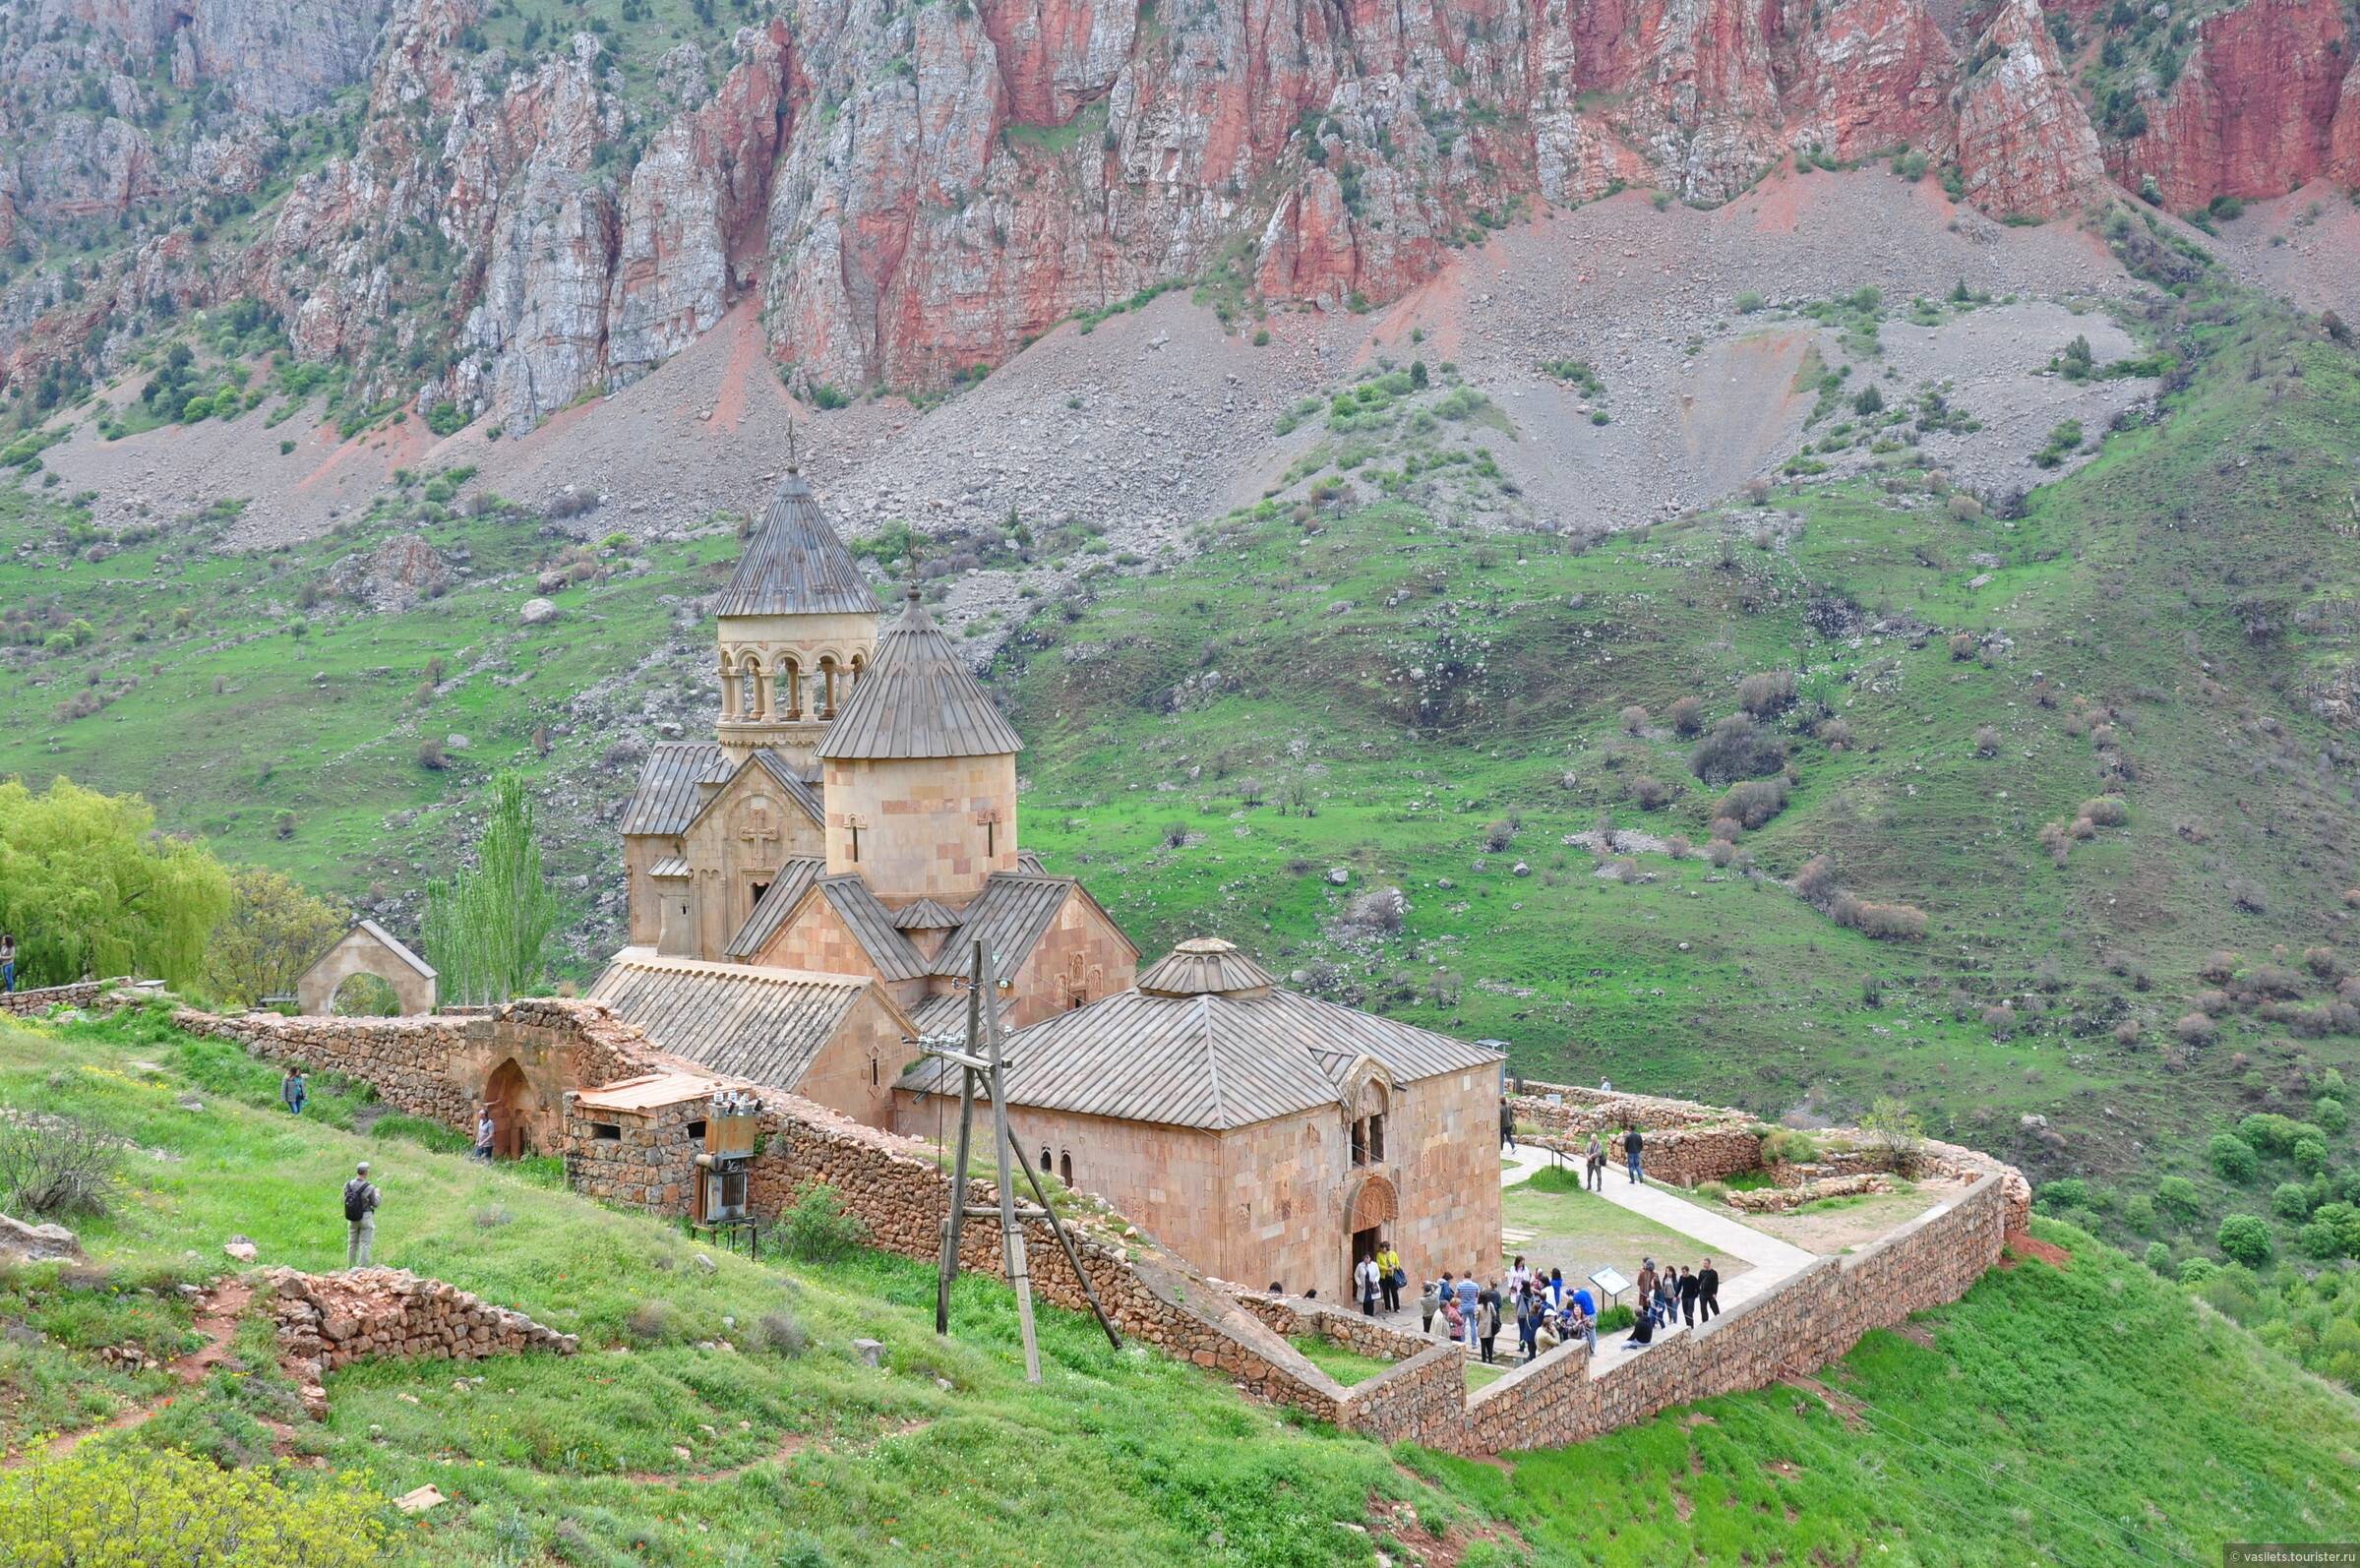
(2291, 1199)
(487, 929)
(2178, 1194)
(2233, 1157)
(2246, 1238)
(89, 885)
(273, 932)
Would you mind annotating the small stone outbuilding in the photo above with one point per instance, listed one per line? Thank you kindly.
(368, 948)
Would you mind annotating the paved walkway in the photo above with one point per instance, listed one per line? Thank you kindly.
(1772, 1261)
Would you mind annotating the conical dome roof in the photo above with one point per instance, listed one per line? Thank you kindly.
(918, 699)
(796, 564)
(1206, 966)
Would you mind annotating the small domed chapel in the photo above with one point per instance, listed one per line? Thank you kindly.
(807, 890)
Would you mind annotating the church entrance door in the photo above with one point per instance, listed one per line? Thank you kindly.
(507, 1095)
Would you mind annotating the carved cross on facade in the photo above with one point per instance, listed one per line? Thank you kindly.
(759, 836)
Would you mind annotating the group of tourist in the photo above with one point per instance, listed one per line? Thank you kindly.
(1547, 1311)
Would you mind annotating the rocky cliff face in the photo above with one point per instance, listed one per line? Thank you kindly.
(912, 191)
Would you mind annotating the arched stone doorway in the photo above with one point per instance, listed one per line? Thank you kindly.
(513, 1104)
(1369, 1209)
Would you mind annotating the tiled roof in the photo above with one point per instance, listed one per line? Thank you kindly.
(1008, 916)
(1208, 1060)
(918, 700)
(773, 768)
(667, 800)
(947, 1015)
(872, 925)
(766, 1025)
(1205, 965)
(1030, 864)
(669, 866)
(925, 915)
(796, 564)
(795, 879)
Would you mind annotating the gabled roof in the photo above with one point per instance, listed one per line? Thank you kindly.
(872, 925)
(1030, 864)
(1210, 1060)
(667, 798)
(393, 945)
(918, 699)
(767, 1025)
(925, 915)
(1008, 916)
(796, 564)
(774, 771)
(795, 879)
(946, 1014)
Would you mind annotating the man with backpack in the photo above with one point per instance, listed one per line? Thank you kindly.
(360, 1217)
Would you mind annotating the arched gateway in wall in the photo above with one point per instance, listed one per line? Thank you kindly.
(368, 948)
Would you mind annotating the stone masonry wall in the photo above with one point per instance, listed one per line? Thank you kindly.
(1683, 1158)
(25, 1003)
(330, 1321)
(901, 1196)
(1601, 1111)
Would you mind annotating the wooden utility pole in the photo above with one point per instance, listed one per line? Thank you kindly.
(983, 1019)
(1011, 1236)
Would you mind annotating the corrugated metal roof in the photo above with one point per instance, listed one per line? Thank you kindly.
(669, 866)
(766, 1025)
(648, 1092)
(1207, 1062)
(667, 800)
(796, 564)
(1008, 916)
(795, 879)
(872, 925)
(918, 700)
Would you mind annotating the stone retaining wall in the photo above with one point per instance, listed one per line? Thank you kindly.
(1587, 1111)
(900, 1194)
(1683, 1158)
(330, 1320)
(25, 1003)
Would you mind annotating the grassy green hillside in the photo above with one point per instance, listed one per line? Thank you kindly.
(2074, 1414)
(2126, 671)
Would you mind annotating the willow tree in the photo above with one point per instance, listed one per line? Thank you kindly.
(274, 930)
(488, 929)
(89, 886)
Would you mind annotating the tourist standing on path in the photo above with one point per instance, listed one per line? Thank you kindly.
(1364, 1279)
(1507, 1125)
(1518, 1275)
(1667, 1310)
(360, 1217)
(1708, 1291)
(1454, 1320)
(1466, 1292)
(1647, 1287)
(293, 1091)
(1632, 1143)
(1528, 1322)
(1597, 1162)
(1430, 1301)
(1389, 1276)
(1689, 1289)
(485, 1131)
(8, 962)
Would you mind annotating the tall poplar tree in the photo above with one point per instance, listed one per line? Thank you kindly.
(487, 930)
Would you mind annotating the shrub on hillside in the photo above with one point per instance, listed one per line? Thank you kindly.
(2273, 1133)
(2291, 1200)
(2106, 810)
(2178, 1194)
(1986, 741)
(2195, 1029)
(2246, 1238)
(1686, 716)
(1752, 803)
(136, 1504)
(1816, 882)
(1649, 794)
(2329, 1113)
(1964, 507)
(2233, 1159)
(2000, 1019)
(1884, 922)
(1634, 720)
(1738, 748)
(817, 1228)
(57, 1168)
(1834, 734)
(2310, 1155)
(1771, 692)
(2158, 1258)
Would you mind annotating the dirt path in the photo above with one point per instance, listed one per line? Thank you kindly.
(218, 1322)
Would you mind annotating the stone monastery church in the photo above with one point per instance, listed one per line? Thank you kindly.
(807, 891)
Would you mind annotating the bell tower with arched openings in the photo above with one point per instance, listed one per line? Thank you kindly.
(797, 628)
